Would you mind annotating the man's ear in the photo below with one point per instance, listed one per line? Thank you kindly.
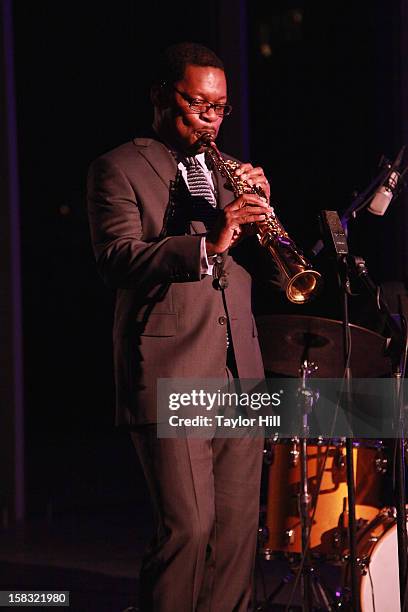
(160, 95)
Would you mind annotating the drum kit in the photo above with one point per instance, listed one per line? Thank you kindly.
(306, 515)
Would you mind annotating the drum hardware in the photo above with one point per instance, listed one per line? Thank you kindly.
(319, 339)
(398, 351)
(322, 600)
(314, 592)
(307, 401)
(329, 533)
(294, 452)
(340, 534)
(362, 562)
(377, 561)
(263, 537)
(340, 459)
(340, 538)
(337, 538)
(268, 455)
(290, 536)
(330, 519)
(346, 267)
(381, 463)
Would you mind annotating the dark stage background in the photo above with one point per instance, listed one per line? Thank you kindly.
(324, 92)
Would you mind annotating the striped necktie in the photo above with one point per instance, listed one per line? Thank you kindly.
(204, 206)
(203, 202)
(197, 181)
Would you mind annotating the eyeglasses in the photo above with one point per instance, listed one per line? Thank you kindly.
(201, 106)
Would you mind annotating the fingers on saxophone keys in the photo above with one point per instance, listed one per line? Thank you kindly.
(243, 169)
(252, 218)
(252, 214)
(246, 178)
(262, 184)
(248, 208)
(247, 200)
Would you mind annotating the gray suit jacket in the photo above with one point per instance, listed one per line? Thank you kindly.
(169, 320)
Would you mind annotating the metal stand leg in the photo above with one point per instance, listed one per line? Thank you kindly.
(313, 592)
(314, 595)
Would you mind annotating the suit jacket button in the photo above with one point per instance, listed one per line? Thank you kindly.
(222, 320)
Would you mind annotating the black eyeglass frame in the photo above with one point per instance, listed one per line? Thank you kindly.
(205, 106)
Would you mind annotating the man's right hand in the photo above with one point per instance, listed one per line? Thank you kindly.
(248, 208)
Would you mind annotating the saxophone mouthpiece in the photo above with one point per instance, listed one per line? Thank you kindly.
(207, 138)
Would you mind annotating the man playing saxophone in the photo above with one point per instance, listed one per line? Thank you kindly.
(183, 309)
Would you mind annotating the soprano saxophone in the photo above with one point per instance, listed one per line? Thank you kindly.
(301, 282)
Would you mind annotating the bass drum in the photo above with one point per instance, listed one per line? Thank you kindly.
(377, 548)
(329, 530)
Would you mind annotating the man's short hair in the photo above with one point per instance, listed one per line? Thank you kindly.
(174, 59)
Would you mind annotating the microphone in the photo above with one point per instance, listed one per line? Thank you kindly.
(386, 191)
(388, 180)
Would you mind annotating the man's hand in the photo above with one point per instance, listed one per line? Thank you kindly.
(254, 176)
(248, 208)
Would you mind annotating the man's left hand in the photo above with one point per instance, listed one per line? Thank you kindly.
(254, 176)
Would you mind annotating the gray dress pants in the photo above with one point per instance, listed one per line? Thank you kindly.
(205, 493)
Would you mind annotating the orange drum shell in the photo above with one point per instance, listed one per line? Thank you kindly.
(283, 517)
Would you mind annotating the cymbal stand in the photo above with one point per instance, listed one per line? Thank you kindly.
(304, 495)
(314, 594)
(311, 586)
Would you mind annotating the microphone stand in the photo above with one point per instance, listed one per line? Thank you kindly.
(335, 237)
(354, 568)
(364, 198)
(336, 234)
(397, 351)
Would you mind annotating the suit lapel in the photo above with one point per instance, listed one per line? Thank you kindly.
(164, 165)
(159, 158)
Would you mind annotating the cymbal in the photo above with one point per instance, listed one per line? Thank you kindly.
(286, 340)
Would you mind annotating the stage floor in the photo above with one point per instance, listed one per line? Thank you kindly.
(97, 558)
